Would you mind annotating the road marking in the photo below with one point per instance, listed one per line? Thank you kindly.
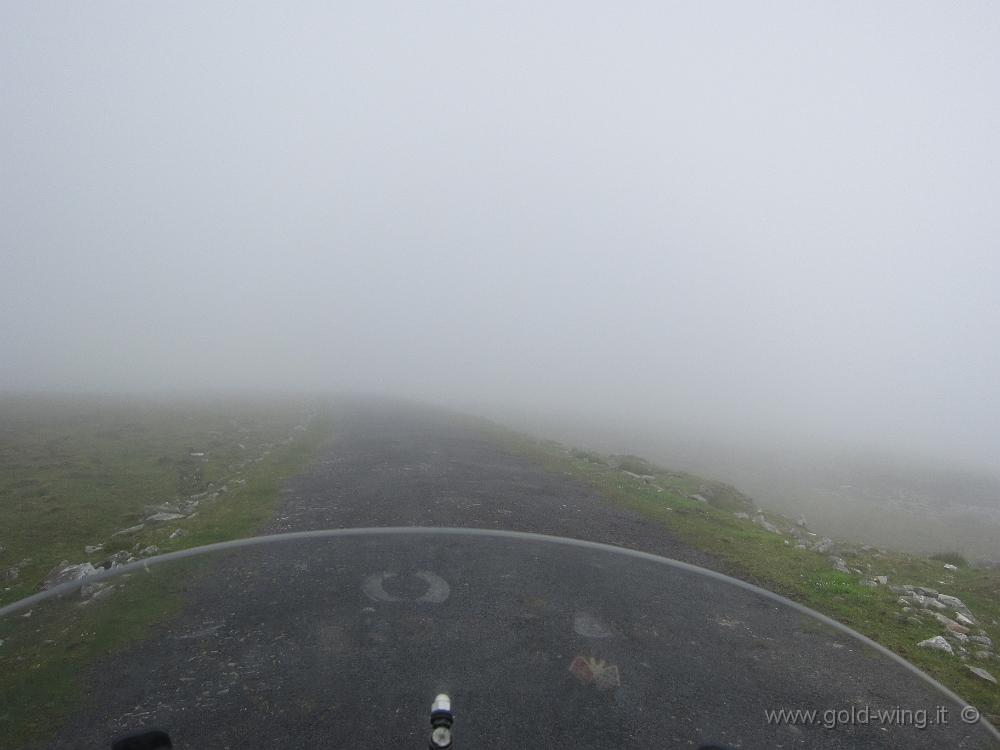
(602, 674)
(437, 588)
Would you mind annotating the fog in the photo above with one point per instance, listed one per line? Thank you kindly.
(655, 225)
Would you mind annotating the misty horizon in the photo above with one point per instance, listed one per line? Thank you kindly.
(772, 227)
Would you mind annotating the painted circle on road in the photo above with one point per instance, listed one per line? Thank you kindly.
(437, 588)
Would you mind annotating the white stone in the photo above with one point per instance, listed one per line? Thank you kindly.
(765, 524)
(824, 545)
(982, 673)
(838, 564)
(952, 601)
(65, 572)
(938, 643)
(162, 517)
(130, 530)
(953, 626)
(964, 620)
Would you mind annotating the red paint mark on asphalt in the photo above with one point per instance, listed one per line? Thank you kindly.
(588, 669)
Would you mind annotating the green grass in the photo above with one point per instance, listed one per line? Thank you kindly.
(746, 551)
(72, 474)
(45, 655)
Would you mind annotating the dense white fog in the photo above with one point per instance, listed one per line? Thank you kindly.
(761, 225)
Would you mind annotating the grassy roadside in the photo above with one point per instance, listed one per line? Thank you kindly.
(771, 560)
(248, 451)
(73, 472)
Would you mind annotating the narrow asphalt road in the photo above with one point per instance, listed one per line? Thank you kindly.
(343, 642)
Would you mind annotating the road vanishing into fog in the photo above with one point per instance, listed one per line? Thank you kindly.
(344, 642)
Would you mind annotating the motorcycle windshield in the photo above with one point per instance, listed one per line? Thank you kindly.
(344, 638)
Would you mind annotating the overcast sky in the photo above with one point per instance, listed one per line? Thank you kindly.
(756, 218)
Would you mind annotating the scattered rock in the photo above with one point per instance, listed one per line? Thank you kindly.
(742, 516)
(982, 640)
(953, 626)
(11, 574)
(64, 572)
(149, 551)
(938, 643)
(870, 583)
(801, 522)
(983, 674)
(177, 533)
(761, 521)
(952, 601)
(963, 619)
(799, 533)
(647, 478)
(130, 530)
(698, 498)
(162, 517)
(882, 580)
(117, 560)
(934, 604)
(824, 545)
(926, 591)
(92, 548)
(984, 655)
(949, 566)
(89, 590)
(839, 564)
